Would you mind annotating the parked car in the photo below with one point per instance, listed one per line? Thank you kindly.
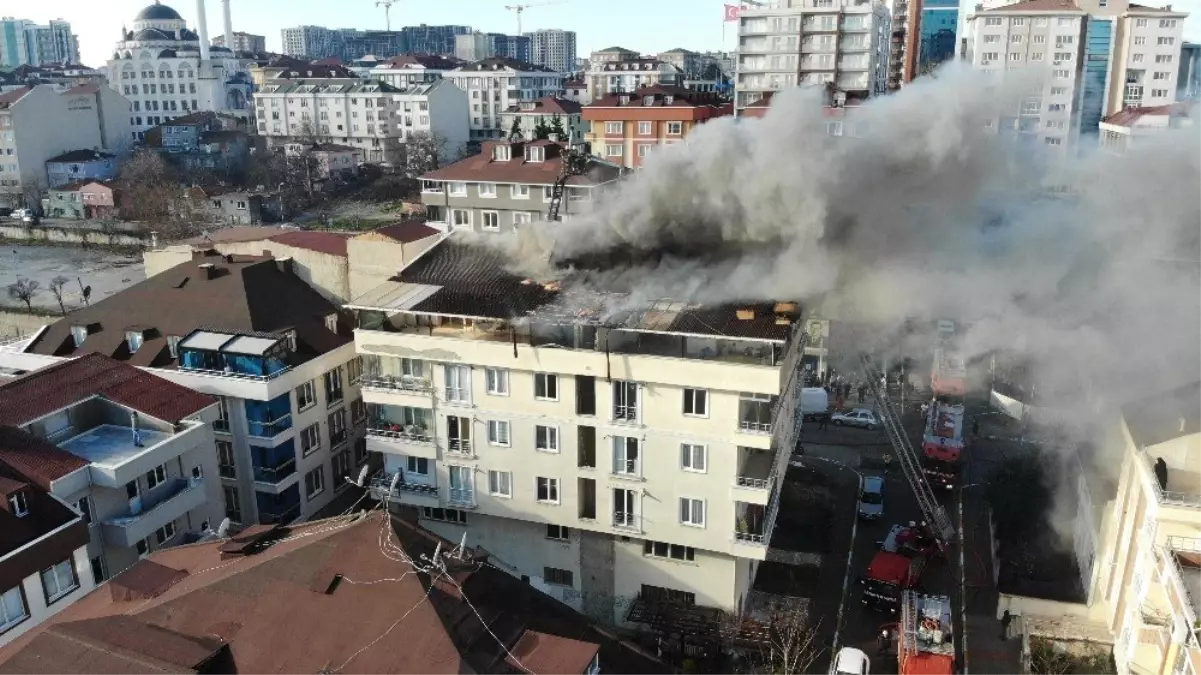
(859, 417)
(871, 497)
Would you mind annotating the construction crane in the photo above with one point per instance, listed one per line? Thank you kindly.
(935, 515)
(387, 5)
(521, 8)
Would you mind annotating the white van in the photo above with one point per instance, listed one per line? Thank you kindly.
(851, 661)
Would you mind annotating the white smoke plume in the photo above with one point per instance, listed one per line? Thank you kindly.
(923, 212)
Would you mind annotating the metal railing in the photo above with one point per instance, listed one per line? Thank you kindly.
(625, 413)
(748, 537)
(754, 427)
(1173, 497)
(381, 482)
(407, 436)
(461, 497)
(273, 475)
(627, 521)
(269, 429)
(280, 518)
(236, 375)
(458, 446)
(757, 483)
(392, 383)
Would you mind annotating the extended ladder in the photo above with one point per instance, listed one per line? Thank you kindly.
(936, 516)
(574, 164)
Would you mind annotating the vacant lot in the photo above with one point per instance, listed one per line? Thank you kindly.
(104, 271)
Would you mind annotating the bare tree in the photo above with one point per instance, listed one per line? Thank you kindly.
(32, 190)
(788, 644)
(24, 290)
(151, 187)
(290, 176)
(423, 153)
(309, 134)
(56, 287)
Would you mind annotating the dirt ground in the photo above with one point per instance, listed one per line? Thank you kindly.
(106, 272)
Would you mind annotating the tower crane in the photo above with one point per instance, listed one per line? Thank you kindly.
(387, 5)
(518, 9)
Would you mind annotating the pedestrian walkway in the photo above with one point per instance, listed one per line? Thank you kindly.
(986, 651)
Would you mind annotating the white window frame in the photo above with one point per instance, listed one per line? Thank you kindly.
(644, 128)
(552, 490)
(693, 395)
(502, 153)
(623, 411)
(496, 381)
(519, 191)
(19, 504)
(413, 465)
(494, 216)
(312, 435)
(495, 487)
(462, 383)
(165, 533)
(550, 434)
(613, 150)
(614, 128)
(499, 433)
(156, 476)
(620, 451)
(7, 619)
(454, 213)
(546, 379)
(456, 188)
(319, 472)
(689, 452)
(690, 508)
(491, 190)
(61, 588)
(563, 533)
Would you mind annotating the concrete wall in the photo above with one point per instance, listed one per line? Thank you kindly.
(35, 597)
(19, 324)
(374, 258)
(64, 235)
(160, 260)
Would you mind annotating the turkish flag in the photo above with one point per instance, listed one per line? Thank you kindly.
(732, 12)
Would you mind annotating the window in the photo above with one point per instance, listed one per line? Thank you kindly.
(156, 476)
(1065, 21)
(456, 189)
(354, 367)
(1015, 39)
(133, 339)
(197, 472)
(84, 506)
(558, 532)
(693, 457)
(644, 128)
(1159, 93)
(547, 490)
(556, 576)
(1165, 23)
(78, 333)
(314, 482)
(1015, 57)
(613, 128)
(500, 484)
(143, 547)
(990, 56)
(1059, 91)
(696, 402)
(502, 153)
(520, 191)
(1040, 39)
(19, 505)
(358, 410)
(1140, 40)
(460, 217)
(490, 220)
(419, 465)
(497, 381)
(498, 433)
(1051, 140)
(692, 511)
(644, 149)
(1019, 21)
(661, 549)
(992, 21)
(337, 428)
(487, 190)
(1163, 58)
(172, 343)
(333, 387)
(310, 439)
(12, 608)
(165, 533)
(233, 504)
(535, 154)
(458, 384)
(59, 580)
(1061, 74)
(675, 128)
(1055, 107)
(612, 151)
(447, 515)
(991, 39)
(341, 468)
(626, 460)
(226, 466)
(546, 386)
(546, 438)
(1161, 75)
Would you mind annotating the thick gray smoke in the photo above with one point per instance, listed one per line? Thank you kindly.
(925, 212)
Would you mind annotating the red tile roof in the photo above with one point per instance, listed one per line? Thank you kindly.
(430, 61)
(1039, 6)
(81, 89)
(1131, 116)
(547, 105)
(38, 461)
(541, 653)
(330, 243)
(407, 232)
(10, 97)
(45, 391)
(482, 167)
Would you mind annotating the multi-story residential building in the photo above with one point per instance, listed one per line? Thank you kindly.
(1123, 130)
(689, 62)
(1188, 80)
(575, 91)
(425, 39)
(44, 554)
(474, 46)
(311, 42)
(786, 43)
(333, 108)
(61, 77)
(133, 453)
(165, 70)
(277, 355)
(939, 25)
(200, 141)
(904, 49)
(507, 185)
(611, 54)
(518, 47)
(529, 114)
(84, 200)
(40, 123)
(23, 42)
(244, 42)
(553, 48)
(1099, 58)
(605, 461)
(439, 108)
(626, 128)
(496, 84)
(624, 75)
(409, 70)
(383, 44)
(80, 165)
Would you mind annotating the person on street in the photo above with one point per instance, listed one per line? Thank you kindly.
(821, 424)
(1006, 619)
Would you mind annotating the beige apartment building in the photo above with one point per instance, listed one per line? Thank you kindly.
(608, 463)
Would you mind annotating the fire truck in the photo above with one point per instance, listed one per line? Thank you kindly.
(948, 375)
(924, 644)
(942, 443)
(897, 566)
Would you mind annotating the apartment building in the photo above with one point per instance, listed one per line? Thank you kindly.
(313, 42)
(243, 42)
(938, 30)
(426, 39)
(495, 84)
(627, 127)
(1188, 78)
(80, 165)
(625, 74)
(409, 70)
(439, 108)
(44, 553)
(1099, 58)
(337, 109)
(553, 48)
(507, 185)
(789, 43)
(277, 355)
(40, 123)
(23, 42)
(1126, 129)
(607, 462)
(529, 114)
(132, 452)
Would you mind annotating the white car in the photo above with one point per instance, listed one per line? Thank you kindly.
(859, 417)
(851, 661)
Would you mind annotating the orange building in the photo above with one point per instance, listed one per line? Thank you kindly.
(624, 127)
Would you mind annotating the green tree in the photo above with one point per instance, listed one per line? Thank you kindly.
(541, 130)
(515, 130)
(557, 131)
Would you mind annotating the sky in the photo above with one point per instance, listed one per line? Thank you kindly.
(642, 25)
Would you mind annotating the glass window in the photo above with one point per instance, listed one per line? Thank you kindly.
(59, 580)
(12, 608)
(696, 402)
(500, 483)
(546, 386)
(497, 381)
(314, 482)
(547, 490)
(693, 457)
(498, 432)
(692, 511)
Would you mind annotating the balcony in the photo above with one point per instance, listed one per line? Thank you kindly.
(159, 506)
(115, 455)
(755, 522)
(756, 475)
(627, 522)
(814, 47)
(272, 466)
(389, 375)
(395, 440)
(284, 517)
(459, 447)
(463, 498)
(1183, 485)
(236, 356)
(417, 494)
(269, 429)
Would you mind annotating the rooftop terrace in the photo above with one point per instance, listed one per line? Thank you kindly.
(110, 445)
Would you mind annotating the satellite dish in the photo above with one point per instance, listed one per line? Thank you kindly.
(362, 477)
(223, 528)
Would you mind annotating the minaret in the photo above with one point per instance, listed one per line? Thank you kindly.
(229, 26)
(203, 30)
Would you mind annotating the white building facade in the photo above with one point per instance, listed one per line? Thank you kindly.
(553, 48)
(495, 84)
(439, 108)
(343, 111)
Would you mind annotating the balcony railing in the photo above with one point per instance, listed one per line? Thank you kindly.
(757, 483)
(627, 414)
(281, 518)
(754, 427)
(227, 470)
(627, 521)
(275, 474)
(749, 537)
(393, 383)
(382, 482)
(269, 429)
(459, 446)
(400, 435)
(174, 488)
(1166, 495)
(336, 438)
(461, 497)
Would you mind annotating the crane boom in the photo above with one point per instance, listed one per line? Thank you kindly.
(519, 9)
(909, 460)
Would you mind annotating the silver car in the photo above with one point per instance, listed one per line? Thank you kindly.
(871, 497)
(859, 417)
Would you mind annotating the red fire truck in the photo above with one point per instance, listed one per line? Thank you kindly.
(942, 443)
(924, 644)
(897, 566)
(948, 376)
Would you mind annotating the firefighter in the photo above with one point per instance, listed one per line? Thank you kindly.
(883, 642)
(887, 462)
